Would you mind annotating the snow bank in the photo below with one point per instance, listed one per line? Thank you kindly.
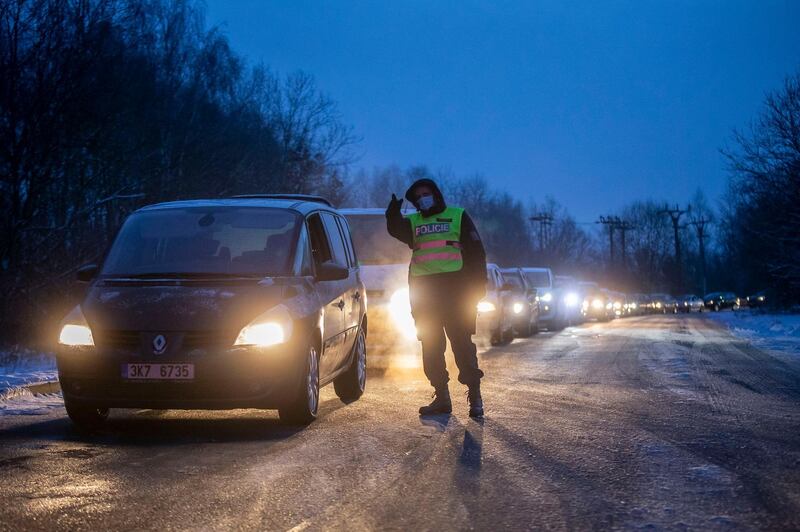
(19, 368)
(779, 332)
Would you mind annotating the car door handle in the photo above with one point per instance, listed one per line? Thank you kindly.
(340, 304)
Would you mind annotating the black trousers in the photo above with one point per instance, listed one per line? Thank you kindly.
(456, 319)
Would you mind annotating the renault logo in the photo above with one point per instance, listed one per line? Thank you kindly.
(159, 344)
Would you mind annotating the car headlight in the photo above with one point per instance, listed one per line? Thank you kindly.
(617, 305)
(761, 298)
(658, 305)
(571, 299)
(271, 328)
(517, 308)
(632, 306)
(486, 306)
(597, 303)
(547, 297)
(74, 330)
(609, 305)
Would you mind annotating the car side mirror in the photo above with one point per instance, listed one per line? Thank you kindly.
(330, 271)
(87, 272)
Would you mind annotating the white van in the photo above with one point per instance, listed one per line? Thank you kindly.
(383, 261)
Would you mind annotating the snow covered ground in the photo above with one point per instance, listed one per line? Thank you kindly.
(23, 367)
(777, 332)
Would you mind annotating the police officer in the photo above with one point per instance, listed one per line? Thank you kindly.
(447, 279)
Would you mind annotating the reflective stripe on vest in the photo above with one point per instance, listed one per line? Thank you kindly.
(436, 242)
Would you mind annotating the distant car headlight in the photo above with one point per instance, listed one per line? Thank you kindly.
(571, 299)
(658, 305)
(632, 306)
(761, 298)
(75, 331)
(486, 306)
(271, 328)
(617, 305)
(609, 305)
(547, 297)
(597, 304)
(517, 308)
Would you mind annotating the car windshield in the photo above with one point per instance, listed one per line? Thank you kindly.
(216, 241)
(538, 279)
(515, 279)
(373, 244)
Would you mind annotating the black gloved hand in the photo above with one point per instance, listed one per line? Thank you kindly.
(395, 205)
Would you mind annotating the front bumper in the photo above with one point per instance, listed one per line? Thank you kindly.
(223, 378)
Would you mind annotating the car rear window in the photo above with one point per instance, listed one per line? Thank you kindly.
(251, 241)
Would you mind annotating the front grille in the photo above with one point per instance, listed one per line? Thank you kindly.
(206, 339)
(119, 339)
(188, 340)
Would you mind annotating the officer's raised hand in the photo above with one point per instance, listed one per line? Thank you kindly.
(394, 205)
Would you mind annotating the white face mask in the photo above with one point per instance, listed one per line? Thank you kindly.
(425, 203)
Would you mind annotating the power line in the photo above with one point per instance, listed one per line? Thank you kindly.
(700, 226)
(675, 215)
(545, 222)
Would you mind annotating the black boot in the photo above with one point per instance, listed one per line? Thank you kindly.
(440, 405)
(475, 401)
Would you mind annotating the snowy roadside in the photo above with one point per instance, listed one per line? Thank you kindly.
(20, 368)
(776, 332)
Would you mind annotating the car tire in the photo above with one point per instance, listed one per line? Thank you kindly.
(86, 417)
(350, 385)
(303, 406)
(525, 331)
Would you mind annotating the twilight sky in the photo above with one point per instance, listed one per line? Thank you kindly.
(594, 103)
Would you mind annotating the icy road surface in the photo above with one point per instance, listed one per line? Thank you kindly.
(666, 422)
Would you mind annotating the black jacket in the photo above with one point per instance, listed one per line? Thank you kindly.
(471, 279)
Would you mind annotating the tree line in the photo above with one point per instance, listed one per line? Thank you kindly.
(108, 105)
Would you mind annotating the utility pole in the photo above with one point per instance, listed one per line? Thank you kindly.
(545, 221)
(623, 226)
(675, 215)
(611, 222)
(700, 226)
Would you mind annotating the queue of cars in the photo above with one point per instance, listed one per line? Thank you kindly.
(258, 301)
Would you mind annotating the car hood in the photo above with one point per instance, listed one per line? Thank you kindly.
(184, 306)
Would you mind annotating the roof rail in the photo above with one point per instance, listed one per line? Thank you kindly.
(297, 197)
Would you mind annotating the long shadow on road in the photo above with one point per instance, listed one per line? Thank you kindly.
(156, 428)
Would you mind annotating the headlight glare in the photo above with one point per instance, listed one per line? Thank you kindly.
(486, 306)
(571, 299)
(75, 331)
(271, 328)
(517, 308)
(75, 335)
(547, 297)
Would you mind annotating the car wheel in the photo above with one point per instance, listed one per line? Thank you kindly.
(350, 385)
(302, 408)
(86, 417)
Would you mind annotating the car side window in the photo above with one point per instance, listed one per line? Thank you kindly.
(336, 241)
(348, 241)
(320, 248)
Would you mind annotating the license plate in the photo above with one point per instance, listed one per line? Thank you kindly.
(158, 371)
